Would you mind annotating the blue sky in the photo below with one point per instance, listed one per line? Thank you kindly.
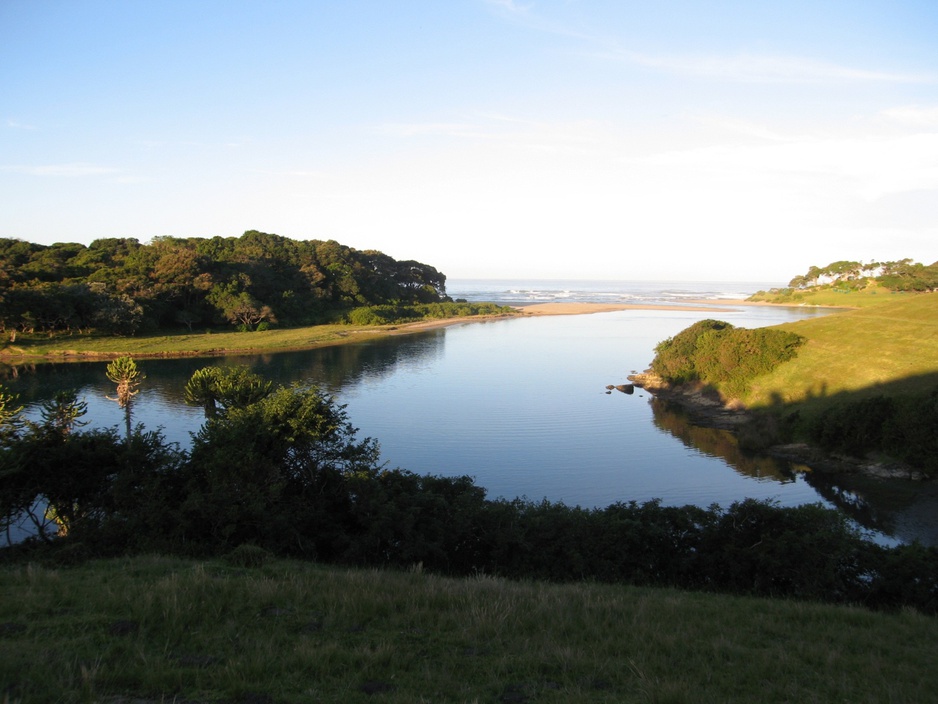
(489, 138)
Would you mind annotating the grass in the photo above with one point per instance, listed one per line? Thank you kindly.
(207, 343)
(872, 294)
(154, 629)
(893, 343)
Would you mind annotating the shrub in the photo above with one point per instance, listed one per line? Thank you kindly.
(905, 428)
(248, 555)
(727, 357)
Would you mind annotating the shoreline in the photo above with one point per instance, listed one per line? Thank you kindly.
(12, 355)
(584, 308)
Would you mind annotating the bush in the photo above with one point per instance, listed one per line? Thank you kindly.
(905, 428)
(717, 353)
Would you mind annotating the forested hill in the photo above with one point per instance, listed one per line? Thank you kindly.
(844, 276)
(120, 285)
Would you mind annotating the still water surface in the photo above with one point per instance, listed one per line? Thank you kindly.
(521, 406)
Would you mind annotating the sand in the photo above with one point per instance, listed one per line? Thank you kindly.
(583, 308)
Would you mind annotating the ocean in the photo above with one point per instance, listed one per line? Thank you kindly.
(530, 291)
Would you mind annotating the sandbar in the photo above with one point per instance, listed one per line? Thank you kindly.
(585, 308)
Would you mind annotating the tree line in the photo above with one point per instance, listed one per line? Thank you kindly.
(123, 286)
(901, 275)
(281, 470)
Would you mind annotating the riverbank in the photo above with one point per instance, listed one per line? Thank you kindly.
(707, 409)
(28, 350)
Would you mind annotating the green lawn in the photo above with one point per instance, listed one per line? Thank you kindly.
(156, 629)
(894, 343)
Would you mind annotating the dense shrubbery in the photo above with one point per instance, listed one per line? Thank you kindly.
(286, 475)
(717, 353)
(390, 314)
(903, 427)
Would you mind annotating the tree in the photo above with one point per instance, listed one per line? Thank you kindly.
(123, 372)
(62, 415)
(230, 387)
(247, 310)
(275, 473)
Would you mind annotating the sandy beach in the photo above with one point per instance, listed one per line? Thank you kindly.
(559, 309)
(585, 308)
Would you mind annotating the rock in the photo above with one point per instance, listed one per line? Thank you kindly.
(626, 388)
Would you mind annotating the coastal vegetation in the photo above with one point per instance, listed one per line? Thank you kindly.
(861, 382)
(854, 284)
(124, 287)
(717, 353)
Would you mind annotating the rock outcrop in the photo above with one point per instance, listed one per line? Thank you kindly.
(703, 405)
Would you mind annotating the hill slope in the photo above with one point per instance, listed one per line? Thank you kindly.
(893, 343)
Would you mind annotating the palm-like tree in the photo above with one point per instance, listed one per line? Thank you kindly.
(123, 372)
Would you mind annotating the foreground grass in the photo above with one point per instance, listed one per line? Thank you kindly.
(893, 343)
(164, 630)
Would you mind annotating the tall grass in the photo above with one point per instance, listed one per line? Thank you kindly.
(155, 629)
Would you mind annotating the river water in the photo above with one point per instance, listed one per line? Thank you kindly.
(521, 405)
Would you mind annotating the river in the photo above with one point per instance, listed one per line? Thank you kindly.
(521, 405)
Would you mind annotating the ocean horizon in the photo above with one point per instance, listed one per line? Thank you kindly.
(523, 291)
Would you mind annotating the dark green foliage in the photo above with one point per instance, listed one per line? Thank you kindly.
(122, 286)
(808, 551)
(390, 314)
(717, 353)
(275, 473)
(903, 427)
(228, 387)
(675, 357)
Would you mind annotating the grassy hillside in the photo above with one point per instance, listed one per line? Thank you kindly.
(871, 294)
(156, 629)
(895, 343)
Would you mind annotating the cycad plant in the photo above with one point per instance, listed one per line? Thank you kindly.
(123, 372)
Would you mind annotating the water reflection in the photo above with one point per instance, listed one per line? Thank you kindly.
(904, 510)
(894, 510)
(719, 443)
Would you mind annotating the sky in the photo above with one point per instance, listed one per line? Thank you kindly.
(578, 139)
